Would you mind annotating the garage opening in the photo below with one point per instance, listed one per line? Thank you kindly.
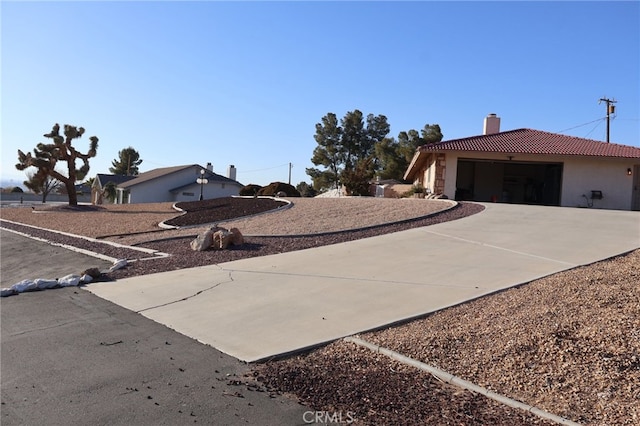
(509, 182)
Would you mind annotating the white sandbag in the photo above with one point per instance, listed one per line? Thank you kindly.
(118, 264)
(86, 278)
(43, 284)
(69, 280)
(24, 285)
(4, 292)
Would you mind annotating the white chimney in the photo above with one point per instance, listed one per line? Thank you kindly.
(210, 167)
(231, 172)
(491, 124)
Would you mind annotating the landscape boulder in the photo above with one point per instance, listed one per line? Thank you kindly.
(203, 241)
(221, 239)
(237, 239)
(217, 238)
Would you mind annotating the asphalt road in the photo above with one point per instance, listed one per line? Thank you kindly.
(69, 357)
(24, 258)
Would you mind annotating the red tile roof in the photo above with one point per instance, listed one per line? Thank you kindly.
(527, 141)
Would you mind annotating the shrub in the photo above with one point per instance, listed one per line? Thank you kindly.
(415, 189)
(275, 187)
(250, 190)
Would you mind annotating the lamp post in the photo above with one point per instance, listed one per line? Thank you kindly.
(201, 180)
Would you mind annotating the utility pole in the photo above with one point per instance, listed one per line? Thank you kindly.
(610, 110)
(290, 166)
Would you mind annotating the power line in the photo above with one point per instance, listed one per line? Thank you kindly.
(591, 131)
(580, 125)
(268, 168)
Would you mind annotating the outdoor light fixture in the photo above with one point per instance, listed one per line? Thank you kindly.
(629, 171)
(201, 180)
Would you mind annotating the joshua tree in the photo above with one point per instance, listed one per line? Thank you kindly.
(47, 155)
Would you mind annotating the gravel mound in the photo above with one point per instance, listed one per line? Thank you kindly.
(221, 209)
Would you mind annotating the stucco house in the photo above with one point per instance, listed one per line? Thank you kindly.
(177, 183)
(532, 167)
(99, 183)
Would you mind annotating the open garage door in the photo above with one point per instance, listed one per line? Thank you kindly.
(509, 182)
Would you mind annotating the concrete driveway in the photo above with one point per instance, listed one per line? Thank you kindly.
(258, 308)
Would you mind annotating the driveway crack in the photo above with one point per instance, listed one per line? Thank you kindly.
(184, 299)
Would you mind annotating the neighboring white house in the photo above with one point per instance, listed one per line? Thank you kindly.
(177, 183)
(530, 167)
(101, 181)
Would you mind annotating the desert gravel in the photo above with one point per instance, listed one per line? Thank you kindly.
(124, 222)
(137, 225)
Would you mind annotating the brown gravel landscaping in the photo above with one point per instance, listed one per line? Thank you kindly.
(137, 225)
(568, 343)
(374, 390)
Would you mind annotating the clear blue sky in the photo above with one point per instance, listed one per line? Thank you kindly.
(244, 83)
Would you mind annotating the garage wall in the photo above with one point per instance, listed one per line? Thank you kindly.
(606, 175)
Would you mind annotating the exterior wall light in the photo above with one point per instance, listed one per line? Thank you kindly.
(629, 171)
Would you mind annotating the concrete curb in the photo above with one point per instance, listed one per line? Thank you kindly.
(454, 380)
(286, 206)
(153, 253)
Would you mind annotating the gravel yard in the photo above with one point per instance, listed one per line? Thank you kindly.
(309, 215)
(137, 225)
(568, 343)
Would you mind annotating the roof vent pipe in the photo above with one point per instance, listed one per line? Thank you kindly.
(491, 124)
(210, 167)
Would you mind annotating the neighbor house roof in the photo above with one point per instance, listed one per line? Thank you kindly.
(165, 171)
(527, 141)
(103, 179)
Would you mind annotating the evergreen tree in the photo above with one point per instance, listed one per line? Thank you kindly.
(346, 151)
(127, 162)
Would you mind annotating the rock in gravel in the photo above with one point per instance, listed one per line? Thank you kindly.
(237, 238)
(221, 239)
(203, 241)
(94, 273)
(217, 238)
